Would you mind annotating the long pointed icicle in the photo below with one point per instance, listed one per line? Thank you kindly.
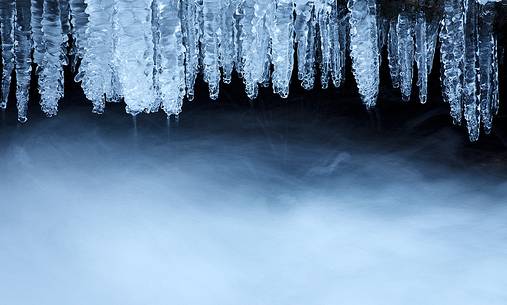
(283, 47)
(51, 67)
(421, 55)
(324, 15)
(79, 21)
(470, 96)
(392, 53)
(238, 44)
(248, 53)
(339, 36)
(66, 28)
(116, 94)
(228, 32)
(266, 56)
(7, 11)
(96, 71)
(256, 44)
(364, 49)
(305, 36)
(405, 31)
(37, 34)
(134, 55)
(452, 41)
(488, 61)
(383, 32)
(191, 34)
(170, 69)
(23, 57)
(210, 42)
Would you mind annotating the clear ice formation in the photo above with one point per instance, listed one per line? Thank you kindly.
(406, 48)
(7, 10)
(148, 53)
(53, 44)
(452, 53)
(364, 48)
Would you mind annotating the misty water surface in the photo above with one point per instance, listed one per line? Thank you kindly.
(244, 207)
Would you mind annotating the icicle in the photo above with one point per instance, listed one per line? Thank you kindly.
(305, 26)
(339, 36)
(79, 21)
(37, 35)
(392, 53)
(364, 48)
(246, 18)
(283, 47)
(116, 94)
(488, 62)
(421, 56)
(96, 71)
(268, 15)
(383, 32)
(405, 31)
(170, 59)
(495, 97)
(7, 11)
(210, 41)
(191, 34)
(255, 52)
(53, 58)
(238, 15)
(452, 40)
(324, 15)
(156, 7)
(22, 54)
(228, 32)
(149, 52)
(66, 28)
(470, 96)
(134, 55)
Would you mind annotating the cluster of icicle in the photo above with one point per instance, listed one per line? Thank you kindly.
(149, 52)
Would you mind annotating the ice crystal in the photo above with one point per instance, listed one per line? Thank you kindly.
(148, 53)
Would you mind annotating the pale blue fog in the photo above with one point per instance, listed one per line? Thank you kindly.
(241, 208)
